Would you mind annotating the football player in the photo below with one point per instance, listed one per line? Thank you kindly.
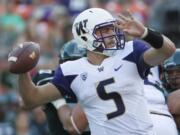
(171, 75)
(155, 93)
(108, 83)
(70, 51)
(171, 72)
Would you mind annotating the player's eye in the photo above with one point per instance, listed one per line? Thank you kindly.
(104, 30)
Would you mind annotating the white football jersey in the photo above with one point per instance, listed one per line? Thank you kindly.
(163, 122)
(154, 94)
(111, 93)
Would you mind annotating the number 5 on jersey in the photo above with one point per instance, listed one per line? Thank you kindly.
(112, 95)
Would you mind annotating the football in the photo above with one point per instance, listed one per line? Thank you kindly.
(79, 118)
(24, 57)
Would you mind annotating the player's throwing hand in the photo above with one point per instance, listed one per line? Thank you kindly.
(129, 25)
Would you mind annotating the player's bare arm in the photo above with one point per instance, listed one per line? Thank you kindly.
(21, 60)
(161, 49)
(173, 102)
(34, 96)
(174, 106)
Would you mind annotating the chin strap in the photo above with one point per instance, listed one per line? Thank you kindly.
(110, 52)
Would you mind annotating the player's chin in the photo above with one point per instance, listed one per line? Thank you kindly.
(111, 45)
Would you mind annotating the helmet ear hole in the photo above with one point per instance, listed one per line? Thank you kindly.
(84, 38)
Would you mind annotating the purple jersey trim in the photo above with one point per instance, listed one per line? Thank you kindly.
(139, 47)
(63, 84)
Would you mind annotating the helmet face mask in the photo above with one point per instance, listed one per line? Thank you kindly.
(85, 29)
(171, 71)
(108, 36)
(172, 77)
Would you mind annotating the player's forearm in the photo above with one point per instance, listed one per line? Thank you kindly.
(27, 90)
(174, 102)
(162, 48)
(158, 41)
(167, 49)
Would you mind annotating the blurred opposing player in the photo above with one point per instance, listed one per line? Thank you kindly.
(171, 75)
(163, 121)
(70, 51)
(171, 72)
(108, 83)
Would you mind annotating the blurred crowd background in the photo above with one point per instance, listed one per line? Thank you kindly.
(48, 22)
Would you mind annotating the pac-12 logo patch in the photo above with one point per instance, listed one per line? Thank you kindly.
(84, 76)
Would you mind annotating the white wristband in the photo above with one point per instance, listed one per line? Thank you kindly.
(74, 125)
(59, 103)
(145, 33)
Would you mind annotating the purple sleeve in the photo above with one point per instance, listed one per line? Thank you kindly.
(136, 56)
(63, 83)
(139, 47)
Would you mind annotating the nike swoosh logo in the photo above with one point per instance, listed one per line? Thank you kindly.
(116, 69)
